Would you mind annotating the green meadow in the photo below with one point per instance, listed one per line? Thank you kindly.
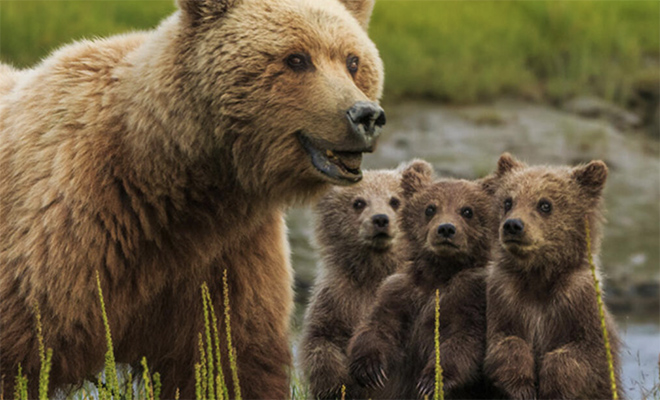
(453, 51)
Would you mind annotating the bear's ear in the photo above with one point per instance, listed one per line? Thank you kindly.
(197, 11)
(489, 183)
(414, 176)
(361, 10)
(506, 164)
(591, 177)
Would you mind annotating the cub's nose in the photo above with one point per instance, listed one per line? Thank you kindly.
(513, 227)
(447, 230)
(381, 221)
(366, 118)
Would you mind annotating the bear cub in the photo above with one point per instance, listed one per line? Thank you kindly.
(544, 332)
(449, 226)
(359, 239)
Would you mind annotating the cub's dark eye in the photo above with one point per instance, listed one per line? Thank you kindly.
(359, 204)
(430, 210)
(394, 203)
(298, 62)
(508, 203)
(467, 212)
(545, 206)
(352, 63)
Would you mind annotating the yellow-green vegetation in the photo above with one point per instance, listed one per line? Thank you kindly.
(45, 357)
(458, 51)
(465, 51)
(601, 312)
(439, 386)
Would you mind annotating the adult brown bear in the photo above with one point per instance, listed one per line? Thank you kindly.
(162, 158)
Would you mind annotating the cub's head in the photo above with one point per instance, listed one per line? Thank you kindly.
(448, 218)
(363, 217)
(543, 210)
(291, 87)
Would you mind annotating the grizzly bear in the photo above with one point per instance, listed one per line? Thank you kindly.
(357, 231)
(161, 159)
(544, 333)
(449, 225)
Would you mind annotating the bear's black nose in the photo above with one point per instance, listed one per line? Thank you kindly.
(366, 118)
(447, 230)
(513, 227)
(380, 220)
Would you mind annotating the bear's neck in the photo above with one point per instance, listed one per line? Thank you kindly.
(540, 271)
(432, 271)
(363, 266)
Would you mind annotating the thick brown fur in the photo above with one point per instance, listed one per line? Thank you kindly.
(544, 332)
(394, 346)
(161, 159)
(357, 255)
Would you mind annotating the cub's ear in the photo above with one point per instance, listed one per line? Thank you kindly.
(197, 11)
(591, 177)
(489, 183)
(414, 176)
(506, 164)
(361, 10)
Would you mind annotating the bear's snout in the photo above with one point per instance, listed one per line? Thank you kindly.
(381, 222)
(514, 227)
(366, 118)
(447, 231)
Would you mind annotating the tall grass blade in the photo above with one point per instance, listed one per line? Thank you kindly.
(146, 377)
(202, 365)
(110, 370)
(20, 389)
(45, 356)
(230, 347)
(210, 385)
(439, 392)
(601, 311)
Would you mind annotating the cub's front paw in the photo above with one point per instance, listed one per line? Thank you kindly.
(369, 370)
(426, 384)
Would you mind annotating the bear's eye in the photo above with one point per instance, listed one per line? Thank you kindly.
(352, 63)
(359, 204)
(467, 212)
(430, 210)
(394, 203)
(508, 203)
(298, 62)
(545, 206)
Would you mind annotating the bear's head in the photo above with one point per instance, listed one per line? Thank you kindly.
(364, 216)
(448, 219)
(542, 211)
(289, 88)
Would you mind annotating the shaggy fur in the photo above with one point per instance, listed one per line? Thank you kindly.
(160, 159)
(394, 348)
(544, 332)
(357, 255)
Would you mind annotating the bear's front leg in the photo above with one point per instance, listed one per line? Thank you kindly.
(563, 375)
(510, 364)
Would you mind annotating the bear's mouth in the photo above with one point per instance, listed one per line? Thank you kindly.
(341, 166)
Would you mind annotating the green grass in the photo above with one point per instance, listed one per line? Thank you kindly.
(456, 51)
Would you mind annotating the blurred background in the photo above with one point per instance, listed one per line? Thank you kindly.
(557, 82)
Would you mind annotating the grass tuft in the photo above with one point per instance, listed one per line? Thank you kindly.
(601, 311)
